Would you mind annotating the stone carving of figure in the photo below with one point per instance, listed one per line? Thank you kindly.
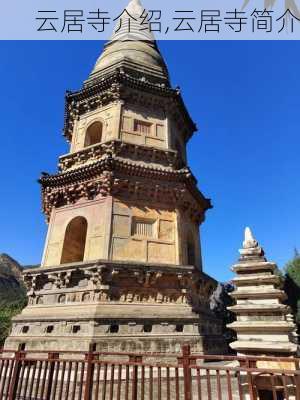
(101, 296)
(86, 297)
(129, 297)
(123, 297)
(62, 298)
(159, 298)
(71, 297)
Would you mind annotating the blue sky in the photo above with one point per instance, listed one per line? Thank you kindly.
(244, 97)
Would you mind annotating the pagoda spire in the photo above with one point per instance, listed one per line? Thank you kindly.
(249, 239)
(132, 31)
(251, 249)
(132, 48)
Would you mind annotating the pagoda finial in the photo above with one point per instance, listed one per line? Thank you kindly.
(135, 2)
(249, 241)
(135, 33)
(134, 49)
(251, 248)
(135, 7)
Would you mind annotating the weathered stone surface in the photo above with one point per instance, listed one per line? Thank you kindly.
(263, 324)
(135, 50)
(11, 287)
(122, 265)
(115, 305)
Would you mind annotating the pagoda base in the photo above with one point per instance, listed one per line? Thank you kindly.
(122, 344)
(118, 307)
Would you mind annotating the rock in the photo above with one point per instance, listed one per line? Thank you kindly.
(11, 285)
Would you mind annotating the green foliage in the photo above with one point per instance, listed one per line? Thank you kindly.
(292, 269)
(292, 285)
(7, 312)
(12, 293)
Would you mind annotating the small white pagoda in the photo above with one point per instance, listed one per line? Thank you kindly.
(263, 325)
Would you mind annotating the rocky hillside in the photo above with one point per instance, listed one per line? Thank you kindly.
(11, 286)
(12, 293)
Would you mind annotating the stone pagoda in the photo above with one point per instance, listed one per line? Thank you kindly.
(263, 325)
(122, 265)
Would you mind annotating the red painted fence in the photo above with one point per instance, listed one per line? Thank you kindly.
(26, 375)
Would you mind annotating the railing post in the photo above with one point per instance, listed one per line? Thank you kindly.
(135, 359)
(187, 376)
(89, 358)
(252, 391)
(19, 356)
(51, 358)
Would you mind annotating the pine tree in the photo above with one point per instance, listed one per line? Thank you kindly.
(292, 285)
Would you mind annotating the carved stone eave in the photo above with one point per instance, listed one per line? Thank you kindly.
(261, 326)
(252, 266)
(260, 293)
(118, 86)
(256, 279)
(124, 179)
(115, 317)
(245, 309)
(114, 266)
(113, 163)
(126, 190)
(140, 153)
(259, 347)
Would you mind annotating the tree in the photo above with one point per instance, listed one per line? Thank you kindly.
(292, 285)
(7, 312)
